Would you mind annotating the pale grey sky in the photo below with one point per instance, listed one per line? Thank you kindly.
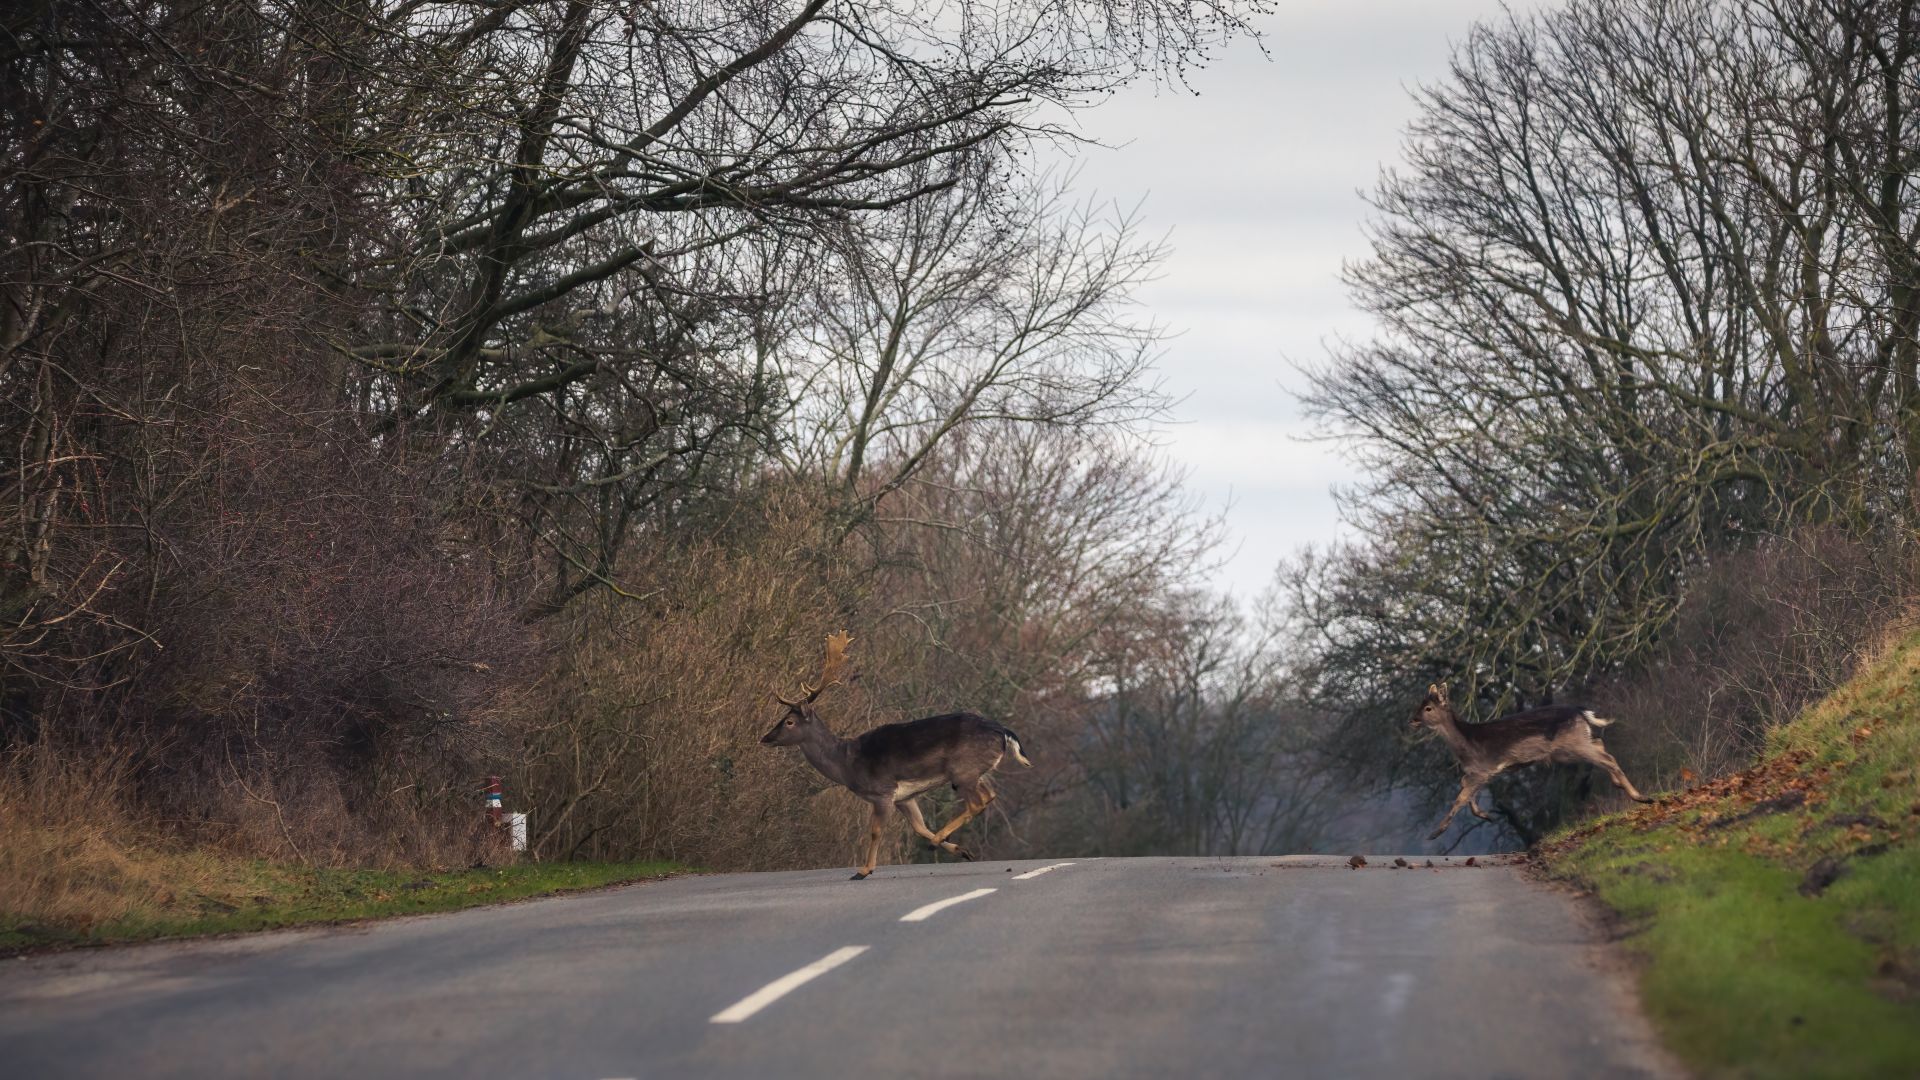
(1257, 180)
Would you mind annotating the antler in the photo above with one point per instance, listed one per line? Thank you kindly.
(829, 671)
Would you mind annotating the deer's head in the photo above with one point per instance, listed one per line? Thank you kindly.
(798, 722)
(1434, 710)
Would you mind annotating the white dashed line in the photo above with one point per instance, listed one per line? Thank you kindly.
(921, 914)
(1036, 873)
(784, 985)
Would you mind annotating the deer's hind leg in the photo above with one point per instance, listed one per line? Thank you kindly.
(870, 849)
(978, 796)
(912, 808)
(1597, 754)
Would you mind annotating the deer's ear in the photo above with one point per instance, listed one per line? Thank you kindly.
(1437, 693)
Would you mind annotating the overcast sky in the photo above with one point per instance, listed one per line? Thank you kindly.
(1257, 182)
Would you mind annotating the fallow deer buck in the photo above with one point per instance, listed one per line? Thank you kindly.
(892, 765)
(1557, 733)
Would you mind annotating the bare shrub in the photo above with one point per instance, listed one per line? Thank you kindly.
(647, 743)
(1759, 637)
(64, 839)
(302, 658)
(1014, 574)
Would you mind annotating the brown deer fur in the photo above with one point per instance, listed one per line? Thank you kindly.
(891, 765)
(1558, 733)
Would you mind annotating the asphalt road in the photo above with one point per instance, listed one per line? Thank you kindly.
(1102, 968)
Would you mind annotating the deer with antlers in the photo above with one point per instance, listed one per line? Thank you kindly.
(1558, 733)
(890, 766)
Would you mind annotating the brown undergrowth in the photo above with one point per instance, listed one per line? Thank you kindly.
(81, 847)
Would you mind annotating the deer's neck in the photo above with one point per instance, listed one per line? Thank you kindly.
(1456, 739)
(828, 753)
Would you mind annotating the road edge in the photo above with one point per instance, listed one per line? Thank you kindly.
(53, 948)
(1617, 969)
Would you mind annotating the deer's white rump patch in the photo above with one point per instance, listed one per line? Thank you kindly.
(1013, 744)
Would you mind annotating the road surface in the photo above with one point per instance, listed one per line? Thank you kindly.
(1090, 968)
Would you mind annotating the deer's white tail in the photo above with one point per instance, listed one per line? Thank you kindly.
(1597, 721)
(1013, 744)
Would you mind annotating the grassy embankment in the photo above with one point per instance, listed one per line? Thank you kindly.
(1777, 911)
(146, 895)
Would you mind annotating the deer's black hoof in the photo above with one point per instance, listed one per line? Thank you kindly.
(1435, 834)
(858, 877)
(964, 853)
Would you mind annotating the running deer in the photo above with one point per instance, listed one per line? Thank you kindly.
(1558, 733)
(890, 766)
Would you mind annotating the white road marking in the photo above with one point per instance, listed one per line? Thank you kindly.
(784, 985)
(921, 914)
(1042, 870)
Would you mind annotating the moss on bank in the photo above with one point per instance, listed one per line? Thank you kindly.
(1777, 911)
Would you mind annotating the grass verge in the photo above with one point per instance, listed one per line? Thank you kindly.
(1777, 911)
(187, 894)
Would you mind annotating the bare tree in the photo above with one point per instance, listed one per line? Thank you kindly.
(975, 307)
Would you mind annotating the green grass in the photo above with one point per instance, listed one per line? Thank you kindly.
(212, 895)
(1743, 974)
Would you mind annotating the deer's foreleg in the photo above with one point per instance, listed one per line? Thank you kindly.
(1469, 787)
(870, 851)
(912, 807)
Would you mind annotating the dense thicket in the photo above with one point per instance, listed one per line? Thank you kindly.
(1648, 284)
(395, 391)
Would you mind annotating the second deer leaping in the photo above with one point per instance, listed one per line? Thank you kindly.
(1558, 733)
(891, 765)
